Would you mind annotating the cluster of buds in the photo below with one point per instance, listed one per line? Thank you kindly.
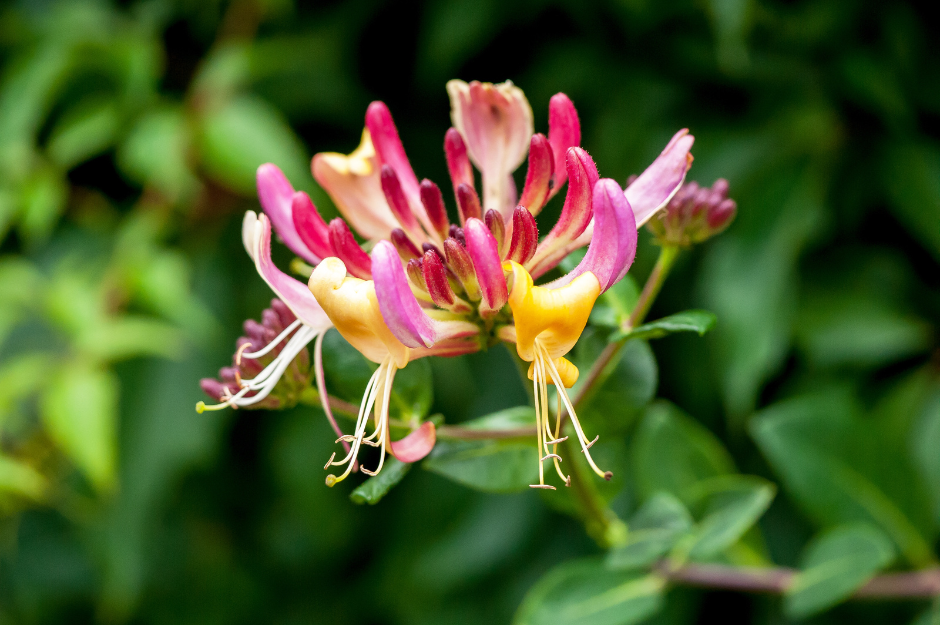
(243, 383)
(694, 214)
(423, 286)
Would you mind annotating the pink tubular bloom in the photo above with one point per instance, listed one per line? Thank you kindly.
(488, 265)
(277, 196)
(564, 131)
(495, 122)
(653, 189)
(538, 181)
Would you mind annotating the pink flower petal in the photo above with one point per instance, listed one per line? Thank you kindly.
(458, 162)
(538, 180)
(401, 311)
(525, 236)
(416, 445)
(310, 226)
(564, 131)
(488, 266)
(653, 189)
(347, 250)
(495, 122)
(434, 207)
(276, 195)
(256, 232)
(468, 203)
(613, 246)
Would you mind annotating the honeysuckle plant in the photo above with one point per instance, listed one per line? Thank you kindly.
(420, 285)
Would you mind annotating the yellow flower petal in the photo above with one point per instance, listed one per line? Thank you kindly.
(351, 305)
(566, 370)
(556, 317)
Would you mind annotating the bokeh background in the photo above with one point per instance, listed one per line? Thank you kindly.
(129, 136)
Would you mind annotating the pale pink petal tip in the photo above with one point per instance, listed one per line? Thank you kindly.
(416, 445)
(653, 189)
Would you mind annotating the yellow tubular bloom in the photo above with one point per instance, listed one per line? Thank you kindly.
(351, 305)
(548, 323)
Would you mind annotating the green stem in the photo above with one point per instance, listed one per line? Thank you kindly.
(667, 258)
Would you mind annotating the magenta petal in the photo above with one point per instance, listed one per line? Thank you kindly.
(256, 231)
(310, 226)
(416, 445)
(458, 162)
(613, 246)
(486, 262)
(434, 207)
(347, 250)
(538, 179)
(564, 131)
(400, 309)
(468, 203)
(276, 195)
(653, 189)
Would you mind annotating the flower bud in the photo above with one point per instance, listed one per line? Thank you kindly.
(468, 203)
(694, 214)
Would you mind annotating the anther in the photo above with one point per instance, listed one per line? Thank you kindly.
(238, 358)
(608, 475)
(543, 486)
(328, 463)
(547, 456)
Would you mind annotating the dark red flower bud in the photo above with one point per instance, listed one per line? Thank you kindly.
(468, 203)
(434, 206)
(406, 248)
(347, 250)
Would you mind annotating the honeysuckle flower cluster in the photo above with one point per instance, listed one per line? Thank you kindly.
(422, 285)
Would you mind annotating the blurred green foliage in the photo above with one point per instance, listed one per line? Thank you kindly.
(129, 137)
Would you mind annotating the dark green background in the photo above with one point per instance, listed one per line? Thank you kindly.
(129, 134)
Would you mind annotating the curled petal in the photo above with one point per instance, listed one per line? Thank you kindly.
(613, 246)
(344, 245)
(354, 184)
(391, 152)
(564, 131)
(538, 180)
(495, 122)
(395, 197)
(406, 248)
(401, 311)
(416, 445)
(256, 233)
(310, 226)
(352, 306)
(468, 203)
(556, 317)
(434, 207)
(486, 262)
(576, 213)
(525, 236)
(458, 162)
(276, 195)
(653, 189)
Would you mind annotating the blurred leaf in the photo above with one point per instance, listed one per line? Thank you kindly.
(654, 530)
(729, 506)
(43, 198)
(925, 441)
(812, 443)
(615, 304)
(583, 592)
(912, 179)
(931, 616)
(79, 410)
(835, 565)
(499, 466)
(673, 453)
(700, 321)
(20, 479)
(20, 285)
(245, 133)
(22, 376)
(373, 489)
(156, 152)
(413, 390)
(84, 131)
(130, 336)
(347, 371)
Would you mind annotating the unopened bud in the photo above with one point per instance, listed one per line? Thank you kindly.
(694, 214)
(468, 203)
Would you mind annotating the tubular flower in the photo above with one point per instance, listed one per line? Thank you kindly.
(423, 286)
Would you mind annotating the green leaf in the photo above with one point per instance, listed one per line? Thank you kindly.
(22, 376)
(245, 133)
(700, 321)
(672, 452)
(728, 507)
(373, 489)
(413, 391)
(654, 530)
(86, 130)
(830, 460)
(912, 179)
(494, 465)
(925, 441)
(584, 592)
(79, 410)
(43, 198)
(155, 152)
(835, 565)
(130, 336)
(19, 479)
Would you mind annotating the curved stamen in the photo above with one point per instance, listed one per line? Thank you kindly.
(280, 337)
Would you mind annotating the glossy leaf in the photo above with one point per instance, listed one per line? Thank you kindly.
(728, 506)
(656, 527)
(375, 488)
(699, 321)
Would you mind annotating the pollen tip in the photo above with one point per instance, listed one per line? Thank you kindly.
(200, 407)
(330, 480)
(608, 475)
